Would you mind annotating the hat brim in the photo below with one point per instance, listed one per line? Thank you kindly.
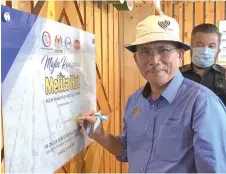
(133, 48)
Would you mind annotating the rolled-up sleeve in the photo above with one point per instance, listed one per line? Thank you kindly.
(209, 126)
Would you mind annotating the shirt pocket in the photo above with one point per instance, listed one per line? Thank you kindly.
(136, 134)
(171, 143)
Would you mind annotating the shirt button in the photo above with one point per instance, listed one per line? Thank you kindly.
(142, 169)
(149, 149)
(150, 127)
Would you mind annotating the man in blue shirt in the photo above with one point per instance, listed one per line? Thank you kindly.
(173, 124)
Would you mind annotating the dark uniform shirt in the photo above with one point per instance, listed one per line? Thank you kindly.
(214, 79)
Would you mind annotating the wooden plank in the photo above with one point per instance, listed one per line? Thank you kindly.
(40, 8)
(72, 14)
(54, 10)
(51, 10)
(60, 170)
(81, 5)
(168, 8)
(121, 48)
(9, 3)
(188, 25)
(22, 5)
(89, 17)
(101, 169)
(97, 20)
(117, 84)
(209, 16)
(220, 11)
(77, 163)
(111, 94)
(105, 59)
(93, 158)
(3, 166)
(199, 13)
(178, 15)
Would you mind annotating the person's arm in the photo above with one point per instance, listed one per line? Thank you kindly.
(209, 126)
(113, 144)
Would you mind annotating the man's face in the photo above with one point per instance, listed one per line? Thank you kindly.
(158, 62)
(209, 40)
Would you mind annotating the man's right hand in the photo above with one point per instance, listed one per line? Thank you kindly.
(99, 132)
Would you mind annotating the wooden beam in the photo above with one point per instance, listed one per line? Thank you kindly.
(209, 16)
(168, 8)
(9, 3)
(54, 9)
(24, 6)
(73, 17)
(64, 16)
(199, 13)
(89, 17)
(38, 6)
(98, 30)
(80, 15)
(220, 10)
(104, 46)
(117, 86)
(111, 91)
(188, 25)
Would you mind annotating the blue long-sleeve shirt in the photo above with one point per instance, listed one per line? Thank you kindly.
(184, 130)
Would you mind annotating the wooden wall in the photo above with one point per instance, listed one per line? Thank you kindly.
(101, 19)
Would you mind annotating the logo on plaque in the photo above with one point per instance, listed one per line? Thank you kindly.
(46, 39)
(68, 43)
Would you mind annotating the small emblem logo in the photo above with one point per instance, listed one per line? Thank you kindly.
(164, 24)
(137, 112)
(46, 39)
(68, 43)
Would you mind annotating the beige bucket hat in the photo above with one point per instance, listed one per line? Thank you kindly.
(157, 28)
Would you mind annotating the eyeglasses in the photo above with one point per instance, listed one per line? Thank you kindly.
(146, 52)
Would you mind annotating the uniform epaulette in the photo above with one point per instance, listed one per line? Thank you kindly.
(219, 68)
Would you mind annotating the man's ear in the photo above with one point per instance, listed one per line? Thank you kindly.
(181, 54)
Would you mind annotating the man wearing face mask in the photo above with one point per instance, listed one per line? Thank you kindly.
(205, 43)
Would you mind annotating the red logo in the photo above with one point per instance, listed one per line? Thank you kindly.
(58, 41)
(77, 44)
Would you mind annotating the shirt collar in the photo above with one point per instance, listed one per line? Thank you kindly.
(171, 90)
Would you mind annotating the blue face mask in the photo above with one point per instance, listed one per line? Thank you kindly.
(203, 57)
